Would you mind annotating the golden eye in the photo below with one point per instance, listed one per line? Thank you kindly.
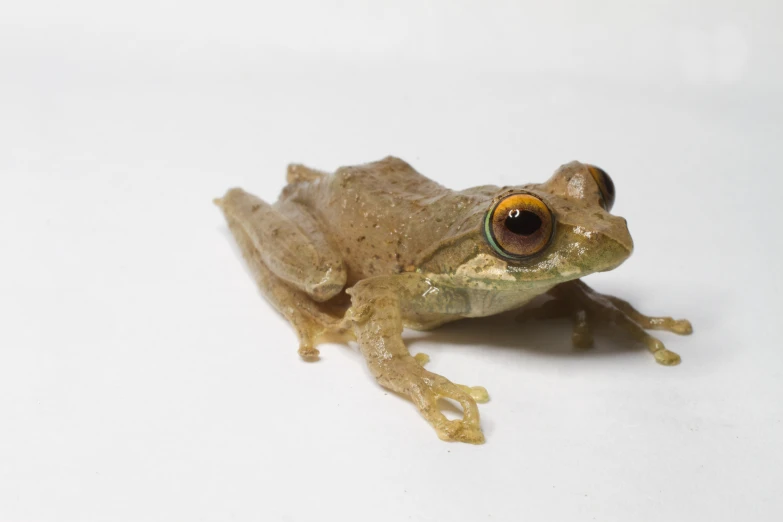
(519, 226)
(606, 185)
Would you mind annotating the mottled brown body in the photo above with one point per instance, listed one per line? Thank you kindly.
(377, 214)
(372, 248)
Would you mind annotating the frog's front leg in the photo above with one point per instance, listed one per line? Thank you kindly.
(586, 307)
(379, 306)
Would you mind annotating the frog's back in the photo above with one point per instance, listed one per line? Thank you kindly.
(389, 180)
(379, 215)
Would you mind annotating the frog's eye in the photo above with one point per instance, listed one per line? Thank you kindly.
(606, 185)
(519, 226)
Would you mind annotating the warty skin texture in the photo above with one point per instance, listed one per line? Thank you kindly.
(370, 249)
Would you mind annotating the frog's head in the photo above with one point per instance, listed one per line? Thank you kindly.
(561, 229)
(549, 232)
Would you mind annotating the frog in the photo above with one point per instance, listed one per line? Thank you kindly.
(368, 250)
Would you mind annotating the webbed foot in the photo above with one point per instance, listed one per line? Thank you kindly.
(407, 376)
(479, 393)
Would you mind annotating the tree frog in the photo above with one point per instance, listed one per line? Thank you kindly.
(368, 250)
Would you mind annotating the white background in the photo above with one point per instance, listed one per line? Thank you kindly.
(143, 377)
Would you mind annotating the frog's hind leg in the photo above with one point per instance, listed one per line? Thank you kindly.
(288, 241)
(314, 311)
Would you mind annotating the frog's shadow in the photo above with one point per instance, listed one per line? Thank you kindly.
(544, 337)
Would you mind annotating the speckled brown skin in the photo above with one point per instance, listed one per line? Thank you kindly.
(374, 248)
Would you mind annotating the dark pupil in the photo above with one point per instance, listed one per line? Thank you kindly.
(523, 222)
(608, 182)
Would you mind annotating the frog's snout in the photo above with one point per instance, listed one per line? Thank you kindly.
(616, 243)
(618, 231)
(603, 242)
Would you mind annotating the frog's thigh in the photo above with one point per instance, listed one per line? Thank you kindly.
(288, 242)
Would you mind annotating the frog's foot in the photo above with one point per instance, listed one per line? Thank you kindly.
(314, 327)
(424, 388)
(587, 307)
(308, 352)
(422, 358)
(479, 393)
(308, 330)
(677, 326)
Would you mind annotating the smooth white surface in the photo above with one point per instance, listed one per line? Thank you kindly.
(143, 377)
